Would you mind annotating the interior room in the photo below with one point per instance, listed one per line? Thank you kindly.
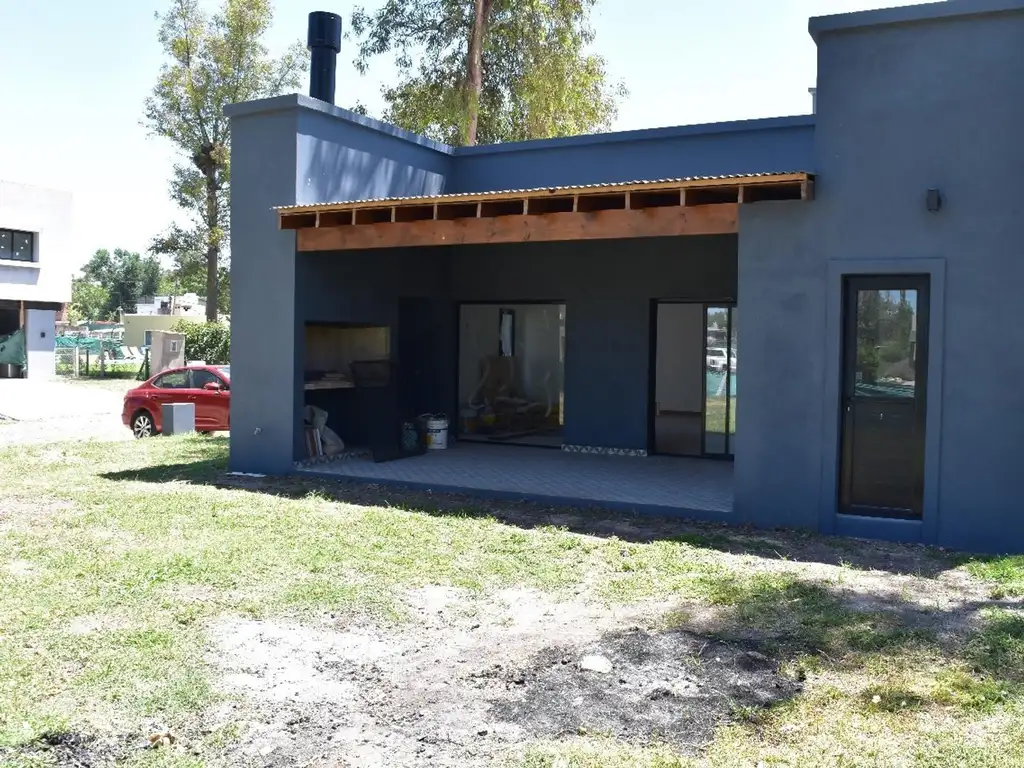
(9, 317)
(512, 373)
(694, 409)
(328, 384)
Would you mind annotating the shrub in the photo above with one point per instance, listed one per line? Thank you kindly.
(209, 342)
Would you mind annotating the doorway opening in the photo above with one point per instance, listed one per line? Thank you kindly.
(694, 381)
(512, 373)
(884, 388)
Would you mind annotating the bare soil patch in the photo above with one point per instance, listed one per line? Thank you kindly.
(471, 681)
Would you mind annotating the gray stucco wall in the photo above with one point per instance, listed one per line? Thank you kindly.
(781, 307)
(901, 108)
(776, 145)
(342, 159)
(263, 327)
(293, 150)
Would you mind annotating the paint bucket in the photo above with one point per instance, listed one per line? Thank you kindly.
(437, 431)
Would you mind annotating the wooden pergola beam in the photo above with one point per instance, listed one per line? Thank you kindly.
(660, 221)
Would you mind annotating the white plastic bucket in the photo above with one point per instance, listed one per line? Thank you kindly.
(437, 433)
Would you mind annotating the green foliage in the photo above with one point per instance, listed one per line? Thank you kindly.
(209, 342)
(885, 336)
(89, 300)
(538, 81)
(188, 273)
(112, 282)
(213, 61)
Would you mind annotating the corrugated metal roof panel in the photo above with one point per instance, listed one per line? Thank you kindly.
(570, 189)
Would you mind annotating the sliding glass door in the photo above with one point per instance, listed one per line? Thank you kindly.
(694, 409)
(511, 373)
(720, 380)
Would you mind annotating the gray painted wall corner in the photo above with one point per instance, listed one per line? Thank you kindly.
(341, 160)
(781, 313)
(264, 395)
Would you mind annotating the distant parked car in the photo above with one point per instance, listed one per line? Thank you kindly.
(718, 360)
(208, 386)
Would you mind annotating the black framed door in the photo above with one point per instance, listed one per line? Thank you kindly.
(693, 379)
(885, 371)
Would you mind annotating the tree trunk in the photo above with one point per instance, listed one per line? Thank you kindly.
(212, 246)
(475, 69)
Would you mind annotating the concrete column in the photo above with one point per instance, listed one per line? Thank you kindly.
(39, 333)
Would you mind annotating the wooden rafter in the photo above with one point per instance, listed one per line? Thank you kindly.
(651, 209)
(598, 225)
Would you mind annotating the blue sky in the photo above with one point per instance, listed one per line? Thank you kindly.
(75, 75)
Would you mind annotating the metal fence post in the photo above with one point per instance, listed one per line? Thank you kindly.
(75, 366)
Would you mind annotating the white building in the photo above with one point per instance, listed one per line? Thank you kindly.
(35, 267)
(186, 305)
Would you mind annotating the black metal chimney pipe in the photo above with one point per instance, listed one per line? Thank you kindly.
(324, 41)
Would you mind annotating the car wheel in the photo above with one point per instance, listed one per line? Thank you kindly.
(142, 425)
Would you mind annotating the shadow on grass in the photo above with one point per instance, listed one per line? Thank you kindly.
(792, 545)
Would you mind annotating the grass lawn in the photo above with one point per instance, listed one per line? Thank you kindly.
(117, 561)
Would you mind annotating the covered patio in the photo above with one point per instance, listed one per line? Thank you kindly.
(698, 488)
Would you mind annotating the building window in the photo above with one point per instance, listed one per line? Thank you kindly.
(16, 246)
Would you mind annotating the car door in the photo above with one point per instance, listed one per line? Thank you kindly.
(211, 404)
(169, 387)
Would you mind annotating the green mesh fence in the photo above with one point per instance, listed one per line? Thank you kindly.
(97, 357)
(114, 349)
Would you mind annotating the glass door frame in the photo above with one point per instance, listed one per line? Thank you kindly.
(727, 454)
(455, 426)
(851, 285)
(730, 305)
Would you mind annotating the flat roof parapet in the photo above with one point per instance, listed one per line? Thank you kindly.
(910, 14)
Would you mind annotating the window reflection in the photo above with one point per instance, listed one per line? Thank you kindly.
(886, 363)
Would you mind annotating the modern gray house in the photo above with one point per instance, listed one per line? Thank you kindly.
(858, 268)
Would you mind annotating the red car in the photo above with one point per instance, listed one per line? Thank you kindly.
(208, 386)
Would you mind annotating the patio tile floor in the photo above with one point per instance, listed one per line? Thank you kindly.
(656, 483)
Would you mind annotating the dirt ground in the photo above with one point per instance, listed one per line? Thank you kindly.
(34, 412)
(473, 679)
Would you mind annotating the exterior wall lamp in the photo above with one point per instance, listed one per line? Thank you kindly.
(933, 200)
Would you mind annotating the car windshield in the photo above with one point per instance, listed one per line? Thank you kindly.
(224, 370)
(717, 352)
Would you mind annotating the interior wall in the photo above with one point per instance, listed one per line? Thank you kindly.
(537, 347)
(680, 358)
(478, 337)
